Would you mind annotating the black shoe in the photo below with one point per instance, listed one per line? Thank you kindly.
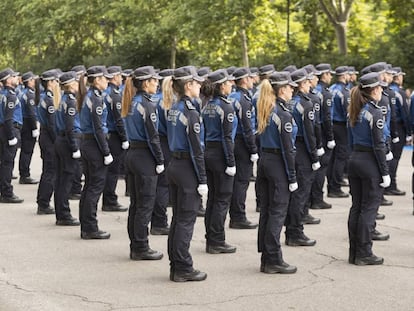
(160, 230)
(149, 254)
(97, 235)
(201, 212)
(220, 249)
(13, 199)
(310, 220)
(28, 181)
(378, 236)
(394, 192)
(370, 260)
(74, 196)
(72, 221)
(194, 275)
(114, 208)
(321, 205)
(302, 241)
(283, 268)
(337, 194)
(380, 216)
(45, 210)
(247, 224)
(385, 202)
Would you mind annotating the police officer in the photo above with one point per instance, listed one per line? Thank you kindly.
(117, 141)
(307, 160)
(220, 126)
(245, 150)
(368, 170)
(48, 99)
(29, 131)
(276, 175)
(67, 147)
(96, 155)
(141, 122)
(340, 154)
(9, 135)
(186, 173)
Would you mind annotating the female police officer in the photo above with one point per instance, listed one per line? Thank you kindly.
(277, 130)
(144, 159)
(368, 170)
(186, 173)
(220, 126)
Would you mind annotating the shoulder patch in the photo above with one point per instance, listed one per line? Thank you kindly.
(189, 105)
(384, 110)
(317, 107)
(99, 110)
(10, 105)
(197, 128)
(51, 109)
(230, 117)
(380, 124)
(248, 114)
(311, 115)
(71, 111)
(393, 101)
(153, 117)
(329, 102)
(118, 106)
(31, 102)
(288, 127)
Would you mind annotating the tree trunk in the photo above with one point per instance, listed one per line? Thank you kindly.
(243, 36)
(173, 52)
(340, 30)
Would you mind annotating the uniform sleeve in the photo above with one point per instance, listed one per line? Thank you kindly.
(96, 117)
(227, 129)
(116, 113)
(9, 106)
(28, 100)
(50, 117)
(393, 120)
(287, 146)
(196, 149)
(245, 115)
(150, 125)
(378, 142)
(69, 119)
(309, 132)
(326, 115)
(317, 122)
(405, 111)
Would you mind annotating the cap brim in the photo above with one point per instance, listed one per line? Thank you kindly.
(294, 84)
(199, 78)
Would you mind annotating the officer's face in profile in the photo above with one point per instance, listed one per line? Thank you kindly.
(193, 88)
(151, 86)
(376, 93)
(287, 92)
(101, 83)
(226, 87)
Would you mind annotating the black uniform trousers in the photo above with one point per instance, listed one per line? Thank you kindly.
(7, 155)
(273, 185)
(220, 187)
(47, 179)
(396, 150)
(109, 194)
(77, 183)
(185, 202)
(95, 174)
(159, 217)
(26, 149)
(298, 198)
(244, 169)
(339, 157)
(364, 179)
(65, 172)
(142, 182)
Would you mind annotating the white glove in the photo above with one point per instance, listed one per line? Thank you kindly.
(159, 168)
(395, 140)
(331, 144)
(76, 154)
(125, 145)
(316, 166)
(202, 189)
(108, 159)
(293, 186)
(389, 156)
(254, 157)
(408, 139)
(13, 141)
(35, 133)
(320, 152)
(386, 181)
(230, 170)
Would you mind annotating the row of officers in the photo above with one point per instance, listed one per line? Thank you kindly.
(199, 134)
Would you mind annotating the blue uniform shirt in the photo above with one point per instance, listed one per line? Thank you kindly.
(66, 122)
(8, 103)
(46, 114)
(27, 100)
(340, 101)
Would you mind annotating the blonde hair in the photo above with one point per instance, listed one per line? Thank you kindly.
(265, 105)
(167, 93)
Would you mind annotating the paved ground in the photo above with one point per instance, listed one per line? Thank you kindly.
(45, 267)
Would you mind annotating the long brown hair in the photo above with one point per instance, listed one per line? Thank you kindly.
(81, 93)
(167, 93)
(132, 86)
(359, 97)
(265, 104)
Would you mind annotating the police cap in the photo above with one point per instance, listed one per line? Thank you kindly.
(282, 78)
(166, 73)
(241, 73)
(79, 69)
(323, 67)
(254, 71)
(341, 70)
(49, 75)
(219, 76)
(145, 73)
(126, 72)
(203, 71)
(398, 71)
(187, 73)
(231, 70)
(290, 68)
(7, 73)
(27, 76)
(371, 79)
(114, 70)
(266, 70)
(378, 67)
(299, 75)
(98, 71)
(352, 70)
(68, 77)
(311, 70)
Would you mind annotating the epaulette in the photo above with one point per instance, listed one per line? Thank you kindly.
(247, 97)
(116, 91)
(49, 93)
(189, 105)
(97, 93)
(71, 96)
(148, 97)
(227, 101)
(31, 91)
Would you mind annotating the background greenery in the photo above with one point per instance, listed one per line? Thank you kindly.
(42, 34)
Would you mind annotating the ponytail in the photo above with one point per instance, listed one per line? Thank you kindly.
(82, 92)
(265, 105)
(129, 92)
(167, 93)
(359, 97)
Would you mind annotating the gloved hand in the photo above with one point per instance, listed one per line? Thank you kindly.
(76, 154)
(293, 186)
(108, 159)
(202, 189)
(389, 156)
(230, 170)
(320, 152)
(331, 144)
(13, 141)
(408, 139)
(159, 168)
(316, 166)
(254, 157)
(386, 181)
(125, 145)
(395, 140)
(35, 133)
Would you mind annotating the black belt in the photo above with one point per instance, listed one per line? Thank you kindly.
(214, 144)
(362, 148)
(17, 125)
(137, 144)
(300, 138)
(272, 150)
(339, 122)
(181, 155)
(75, 135)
